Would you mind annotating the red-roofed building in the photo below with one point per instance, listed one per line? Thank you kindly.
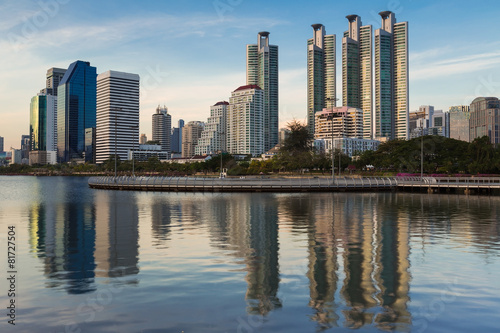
(245, 121)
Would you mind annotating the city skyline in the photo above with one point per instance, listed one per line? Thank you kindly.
(451, 68)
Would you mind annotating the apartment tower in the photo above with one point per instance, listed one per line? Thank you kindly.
(245, 121)
(262, 71)
(391, 78)
(321, 73)
(357, 86)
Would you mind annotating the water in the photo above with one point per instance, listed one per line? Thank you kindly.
(107, 261)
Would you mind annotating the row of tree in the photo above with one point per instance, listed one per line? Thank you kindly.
(440, 156)
(297, 155)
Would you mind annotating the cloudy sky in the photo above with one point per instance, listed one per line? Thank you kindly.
(191, 54)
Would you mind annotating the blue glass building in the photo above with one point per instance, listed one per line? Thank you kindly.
(76, 110)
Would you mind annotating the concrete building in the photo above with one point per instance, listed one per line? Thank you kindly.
(427, 121)
(391, 79)
(117, 128)
(357, 55)
(321, 73)
(459, 122)
(213, 137)
(147, 151)
(348, 146)
(262, 71)
(284, 134)
(143, 139)
(190, 136)
(53, 77)
(162, 124)
(76, 110)
(176, 137)
(245, 123)
(344, 121)
(1, 144)
(485, 119)
(16, 156)
(42, 157)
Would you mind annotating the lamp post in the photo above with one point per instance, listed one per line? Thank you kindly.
(329, 100)
(133, 146)
(221, 150)
(116, 132)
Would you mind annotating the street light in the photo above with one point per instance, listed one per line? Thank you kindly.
(329, 100)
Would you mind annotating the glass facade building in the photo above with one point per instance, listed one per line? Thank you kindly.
(76, 110)
(43, 123)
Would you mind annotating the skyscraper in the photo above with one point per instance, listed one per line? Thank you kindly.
(117, 115)
(391, 78)
(262, 70)
(245, 120)
(1, 144)
(357, 83)
(162, 124)
(54, 77)
(321, 73)
(213, 137)
(43, 123)
(76, 109)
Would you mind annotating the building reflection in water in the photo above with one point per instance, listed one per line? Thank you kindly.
(117, 235)
(248, 226)
(364, 239)
(79, 240)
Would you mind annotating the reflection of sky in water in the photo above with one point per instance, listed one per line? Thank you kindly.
(131, 261)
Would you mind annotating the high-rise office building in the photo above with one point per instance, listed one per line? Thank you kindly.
(76, 110)
(190, 136)
(117, 128)
(43, 123)
(176, 137)
(213, 137)
(485, 119)
(262, 70)
(357, 86)
(54, 77)
(245, 121)
(1, 144)
(459, 122)
(321, 73)
(391, 78)
(162, 124)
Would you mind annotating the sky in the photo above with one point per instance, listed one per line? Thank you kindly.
(191, 54)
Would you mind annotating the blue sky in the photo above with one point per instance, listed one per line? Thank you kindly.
(191, 54)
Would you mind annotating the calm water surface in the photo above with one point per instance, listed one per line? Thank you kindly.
(106, 261)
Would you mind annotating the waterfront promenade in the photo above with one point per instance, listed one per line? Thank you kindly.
(466, 185)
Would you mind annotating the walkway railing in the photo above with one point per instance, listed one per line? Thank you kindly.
(242, 184)
(263, 184)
